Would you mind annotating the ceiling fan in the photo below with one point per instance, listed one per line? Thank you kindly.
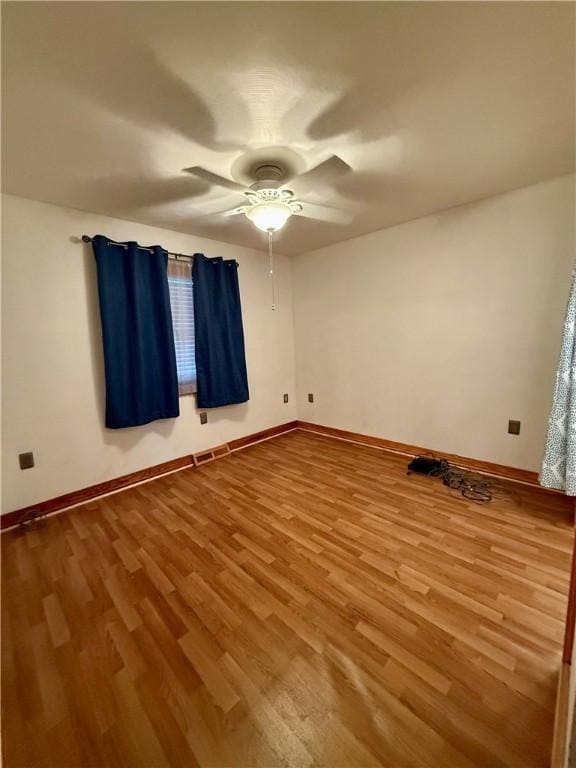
(269, 204)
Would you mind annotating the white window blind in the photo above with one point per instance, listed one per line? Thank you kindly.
(182, 303)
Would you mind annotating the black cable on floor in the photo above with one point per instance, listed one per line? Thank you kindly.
(471, 485)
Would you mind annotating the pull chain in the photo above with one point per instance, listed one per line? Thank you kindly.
(271, 267)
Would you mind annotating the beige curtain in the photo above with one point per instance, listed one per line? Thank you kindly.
(182, 303)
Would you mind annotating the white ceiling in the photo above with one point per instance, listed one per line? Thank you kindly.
(431, 104)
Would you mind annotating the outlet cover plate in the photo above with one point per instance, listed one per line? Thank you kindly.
(513, 427)
(26, 460)
(203, 418)
(310, 397)
(286, 398)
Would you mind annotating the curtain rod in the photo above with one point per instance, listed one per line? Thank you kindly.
(173, 256)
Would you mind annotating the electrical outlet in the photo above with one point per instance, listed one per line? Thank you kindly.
(513, 427)
(286, 398)
(26, 460)
(310, 397)
(203, 418)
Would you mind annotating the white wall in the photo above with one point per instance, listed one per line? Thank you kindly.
(433, 333)
(52, 364)
(438, 331)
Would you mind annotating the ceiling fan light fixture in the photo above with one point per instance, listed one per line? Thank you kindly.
(269, 216)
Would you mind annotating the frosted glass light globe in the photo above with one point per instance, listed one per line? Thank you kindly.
(269, 217)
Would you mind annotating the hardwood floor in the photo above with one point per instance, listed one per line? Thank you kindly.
(299, 603)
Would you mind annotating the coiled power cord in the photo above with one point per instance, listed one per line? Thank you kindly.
(471, 485)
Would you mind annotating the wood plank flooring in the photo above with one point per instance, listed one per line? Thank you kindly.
(300, 603)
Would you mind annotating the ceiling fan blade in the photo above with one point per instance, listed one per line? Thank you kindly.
(214, 178)
(226, 213)
(324, 173)
(325, 213)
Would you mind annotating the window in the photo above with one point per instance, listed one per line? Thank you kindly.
(182, 303)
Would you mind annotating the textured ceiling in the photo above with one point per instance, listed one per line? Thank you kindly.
(431, 104)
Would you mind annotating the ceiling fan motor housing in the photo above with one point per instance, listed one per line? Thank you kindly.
(268, 175)
(268, 172)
